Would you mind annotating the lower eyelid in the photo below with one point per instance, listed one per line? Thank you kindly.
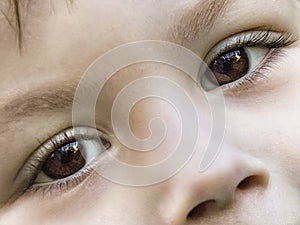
(259, 75)
(59, 187)
(25, 178)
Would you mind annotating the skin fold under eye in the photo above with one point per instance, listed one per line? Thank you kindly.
(239, 58)
(61, 162)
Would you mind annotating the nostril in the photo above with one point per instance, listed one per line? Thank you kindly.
(201, 209)
(250, 182)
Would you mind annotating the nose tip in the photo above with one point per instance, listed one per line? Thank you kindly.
(232, 177)
(216, 204)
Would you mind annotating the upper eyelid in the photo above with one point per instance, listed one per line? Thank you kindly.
(261, 73)
(70, 134)
(43, 151)
(239, 39)
(273, 40)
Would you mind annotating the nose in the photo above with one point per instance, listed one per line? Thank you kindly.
(193, 195)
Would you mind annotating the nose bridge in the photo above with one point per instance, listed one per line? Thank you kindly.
(191, 192)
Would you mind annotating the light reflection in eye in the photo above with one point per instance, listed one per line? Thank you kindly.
(61, 162)
(242, 57)
(64, 161)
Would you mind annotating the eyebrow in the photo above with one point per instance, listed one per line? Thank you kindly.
(38, 101)
(200, 18)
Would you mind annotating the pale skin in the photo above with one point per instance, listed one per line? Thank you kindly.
(254, 179)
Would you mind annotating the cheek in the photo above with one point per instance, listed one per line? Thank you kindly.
(96, 201)
(38, 208)
(267, 126)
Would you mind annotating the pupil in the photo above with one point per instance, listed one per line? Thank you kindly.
(64, 161)
(230, 66)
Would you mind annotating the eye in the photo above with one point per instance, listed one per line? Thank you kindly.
(235, 64)
(69, 155)
(69, 158)
(239, 57)
(62, 161)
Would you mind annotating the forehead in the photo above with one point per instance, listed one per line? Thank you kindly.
(131, 20)
(62, 38)
(58, 30)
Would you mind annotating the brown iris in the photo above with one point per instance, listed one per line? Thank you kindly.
(230, 66)
(64, 161)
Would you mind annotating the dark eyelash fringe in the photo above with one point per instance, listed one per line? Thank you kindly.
(260, 72)
(264, 39)
(62, 186)
(260, 39)
(29, 171)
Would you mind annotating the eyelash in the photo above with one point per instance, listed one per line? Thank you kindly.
(56, 187)
(250, 80)
(263, 39)
(61, 186)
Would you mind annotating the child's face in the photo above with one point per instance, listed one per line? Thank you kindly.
(254, 178)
